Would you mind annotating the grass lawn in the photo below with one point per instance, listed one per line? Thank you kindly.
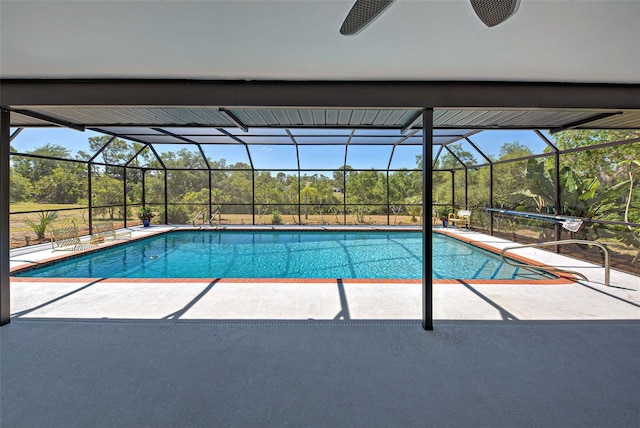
(34, 206)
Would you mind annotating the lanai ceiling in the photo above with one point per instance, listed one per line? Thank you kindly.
(545, 41)
(575, 42)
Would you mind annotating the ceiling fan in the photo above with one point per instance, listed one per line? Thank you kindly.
(364, 12)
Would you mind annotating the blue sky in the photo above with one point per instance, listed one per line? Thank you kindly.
(278, 156)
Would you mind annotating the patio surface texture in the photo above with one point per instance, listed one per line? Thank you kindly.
(104, 353)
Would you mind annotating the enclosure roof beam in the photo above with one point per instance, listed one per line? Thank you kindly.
(186, 140)
(478, 150)
(546, 140)
(346, 148)
(52, 120)
(601, 146)
(15, 134)
(400, 141)
(104, 146)
(412, 122)
(176, 136)
(246, 146)
(157, 157)
(233, 118)
(583, 121)
(136, 155)
(206, 161)
(455, 157)
(435, 159)
(393, 149)
(295, 143)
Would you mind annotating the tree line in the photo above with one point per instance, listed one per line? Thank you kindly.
(594, 183)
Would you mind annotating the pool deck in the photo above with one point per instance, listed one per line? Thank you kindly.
(237, 298)
(332, 353)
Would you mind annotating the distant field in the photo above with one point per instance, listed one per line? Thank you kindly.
(34, 206)
(20, 230)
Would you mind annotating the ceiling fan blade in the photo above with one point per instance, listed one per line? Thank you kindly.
(363, 13)
(494, 12)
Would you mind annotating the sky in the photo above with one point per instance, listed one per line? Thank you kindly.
(280, 156)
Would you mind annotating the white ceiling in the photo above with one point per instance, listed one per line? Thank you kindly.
(552, 41)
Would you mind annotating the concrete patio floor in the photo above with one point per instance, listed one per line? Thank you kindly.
(222, 353)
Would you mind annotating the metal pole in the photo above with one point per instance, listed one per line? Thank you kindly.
(299, 189)
(453, 190)
(124, 202)
(5, 289)
(166, 197)
(89, 199)
(427, 198)
(557, 200)
(388, 203)
(491, 199)
(466, 188)
(210, 198)
(253, 197)
(144, 201)
(344, 195)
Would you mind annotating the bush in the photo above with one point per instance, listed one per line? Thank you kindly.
(276, 217)
(46, 218)
(178, 214)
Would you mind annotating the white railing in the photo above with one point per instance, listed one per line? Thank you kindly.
(607, 262)
(195, 218)
(216, 213)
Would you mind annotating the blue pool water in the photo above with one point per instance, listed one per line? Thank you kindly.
(216, 254)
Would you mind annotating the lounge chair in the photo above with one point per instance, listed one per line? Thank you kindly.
(68, 239)
(462, 219)
(106, 231)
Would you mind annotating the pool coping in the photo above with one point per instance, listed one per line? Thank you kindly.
(562, 277)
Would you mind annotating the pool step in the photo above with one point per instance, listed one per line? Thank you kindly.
(498, 270)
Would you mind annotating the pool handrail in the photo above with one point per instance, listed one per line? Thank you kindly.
(200, 213)
(213, 216)
(607, 262)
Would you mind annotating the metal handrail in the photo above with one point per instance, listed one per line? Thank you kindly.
(200, 213)
(214, 216)
(607, 263)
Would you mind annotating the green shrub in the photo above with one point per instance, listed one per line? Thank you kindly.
(276, 217)
(45, 219)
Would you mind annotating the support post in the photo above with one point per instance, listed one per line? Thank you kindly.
(556, 201)
(388, 202)
(144, 190)
(344, 195)
(166, 196)
(299, 189)
(253, 196)
(453, 190)
(89, 199)
(466, 188)
(210, 198)
(427, 198)
(491, 199)
(124, 194)
(5, 292)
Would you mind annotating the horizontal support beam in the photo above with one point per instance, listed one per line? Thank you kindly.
(127, 92)
(232, 117)
(582, 122)
(51, 120)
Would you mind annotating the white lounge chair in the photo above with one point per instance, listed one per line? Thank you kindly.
(108, 232)
(68, 239)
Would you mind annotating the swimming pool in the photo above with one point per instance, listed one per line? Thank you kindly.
(267, 254)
